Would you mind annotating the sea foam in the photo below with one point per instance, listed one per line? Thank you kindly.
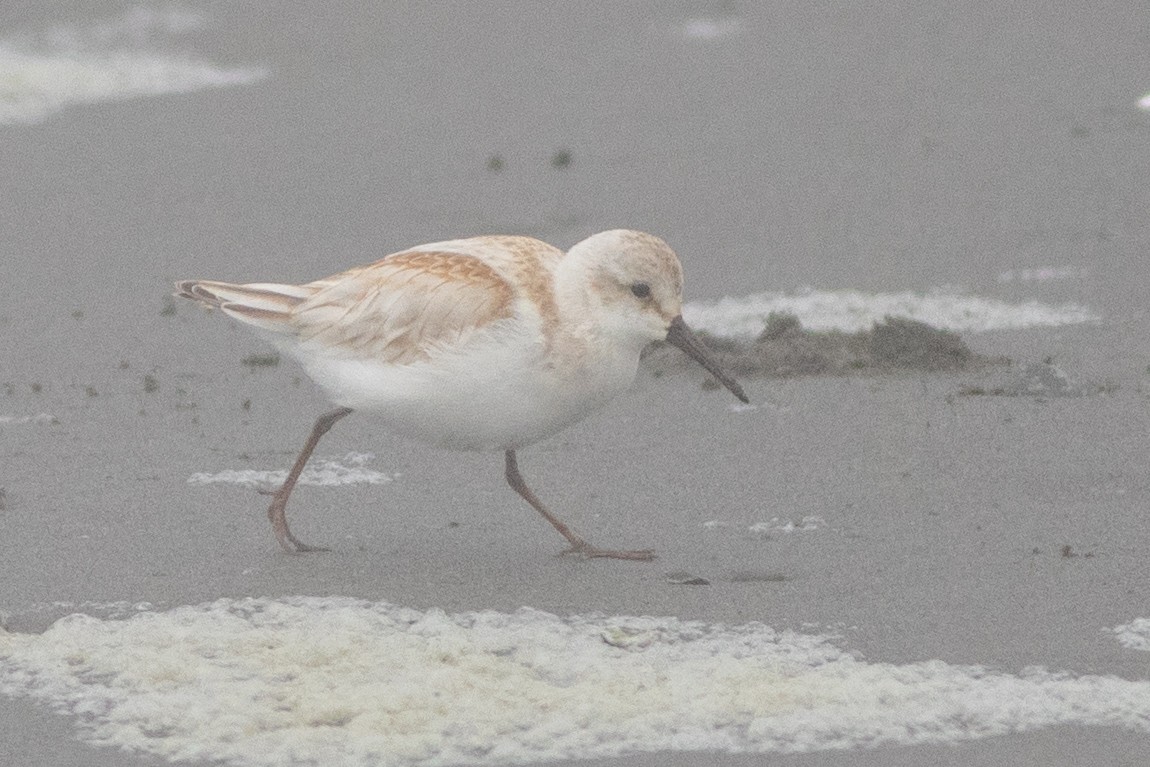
(124, 57)
(349, 683)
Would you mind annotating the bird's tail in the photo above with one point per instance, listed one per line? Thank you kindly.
(267, 306)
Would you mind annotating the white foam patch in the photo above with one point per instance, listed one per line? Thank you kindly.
(853, 310)
(349, 683)
(1043, 274)
(116, 59)
(1144, 102)
(19, 420)
(706, 28)
(1134, 635)
(323, 472)
(777, 525)
(119, 608)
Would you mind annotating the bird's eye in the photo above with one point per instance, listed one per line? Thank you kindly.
(640, 290)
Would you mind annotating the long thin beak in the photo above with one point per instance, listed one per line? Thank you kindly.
(680, 335)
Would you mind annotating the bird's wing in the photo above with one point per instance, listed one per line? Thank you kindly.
(403, 307)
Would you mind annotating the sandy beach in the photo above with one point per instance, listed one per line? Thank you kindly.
(976, 536)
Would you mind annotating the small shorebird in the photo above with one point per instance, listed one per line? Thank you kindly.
(486, 343)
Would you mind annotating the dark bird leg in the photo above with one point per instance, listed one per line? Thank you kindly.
(578, 545)
(276, 512)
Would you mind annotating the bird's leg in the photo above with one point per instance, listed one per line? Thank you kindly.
(276, 512)
(578, 545)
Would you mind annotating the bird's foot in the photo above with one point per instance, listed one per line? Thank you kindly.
(298, 547)
(289, 542)
(585, 550)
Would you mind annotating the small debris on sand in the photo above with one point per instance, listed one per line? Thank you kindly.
(1040, 380)
(254, 361)
(680, 578)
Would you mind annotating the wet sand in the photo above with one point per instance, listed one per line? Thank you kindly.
(947, 148)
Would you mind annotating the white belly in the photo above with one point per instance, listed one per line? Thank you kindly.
(501, 393)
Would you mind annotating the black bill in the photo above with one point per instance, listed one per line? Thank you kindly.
(681, 336)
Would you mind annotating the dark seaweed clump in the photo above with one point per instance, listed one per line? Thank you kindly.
(785, 349)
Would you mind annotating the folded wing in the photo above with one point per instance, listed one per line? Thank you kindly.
(397, 310)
